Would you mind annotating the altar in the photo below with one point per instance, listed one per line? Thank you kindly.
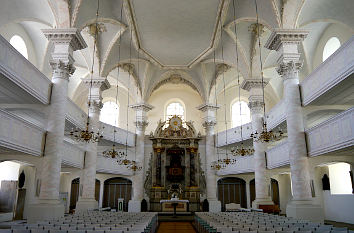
(175, 161)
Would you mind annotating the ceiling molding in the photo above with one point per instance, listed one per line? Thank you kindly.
(221, 16)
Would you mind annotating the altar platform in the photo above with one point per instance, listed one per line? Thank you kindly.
(180, 217)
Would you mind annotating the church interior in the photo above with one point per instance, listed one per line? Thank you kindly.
(176, 116)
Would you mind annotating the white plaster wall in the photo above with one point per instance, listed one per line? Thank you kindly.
(164, 94)
(339, 207)
(30, 186)
(11, 29)
(341, 31)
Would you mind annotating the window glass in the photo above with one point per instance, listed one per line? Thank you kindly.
(175, 108)
(331, 46)
(19, 44)
(244, 117)
(110, 113)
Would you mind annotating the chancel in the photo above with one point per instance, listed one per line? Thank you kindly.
(165, 116)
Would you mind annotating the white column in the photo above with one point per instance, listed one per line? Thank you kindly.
(248, 194)
(254, 86)
(141, 109)
(65, 41)
(285, 42)
(88, 177)
(209, 111)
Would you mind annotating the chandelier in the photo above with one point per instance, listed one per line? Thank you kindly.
(216, 165)
(228, 161)
(265, 135)
(242, 151)
(124, 161)
(134, 166)
(113, 153)
(88, 135)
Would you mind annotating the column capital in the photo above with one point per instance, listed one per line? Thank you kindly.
(281, 36)
(256, 107)
(141, 125)
(97, 85)
(140, 114)
(289, 70)
(61, 69)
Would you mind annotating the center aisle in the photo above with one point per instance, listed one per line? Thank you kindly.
(172, 227)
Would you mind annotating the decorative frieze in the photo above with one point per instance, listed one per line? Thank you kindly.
(281, 36)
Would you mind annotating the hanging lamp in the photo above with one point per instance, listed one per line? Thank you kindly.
(88, 135)
(265, 135)
(239, 150)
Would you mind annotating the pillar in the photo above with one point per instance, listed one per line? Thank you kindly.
(65, 41)
(209, 119)
(88, 176)
(285, 42)
(141, 109)
(256, 104)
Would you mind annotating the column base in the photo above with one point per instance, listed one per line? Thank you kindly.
(262, 201)
(305, 209)
(84, 204)
(50, 209)
(214, 206)
(134, 206)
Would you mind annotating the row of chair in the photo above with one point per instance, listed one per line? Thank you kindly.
(255, 222)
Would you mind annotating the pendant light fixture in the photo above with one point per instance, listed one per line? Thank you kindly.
(241, 150)
(265, 135)
(88, 135)
(113, 153)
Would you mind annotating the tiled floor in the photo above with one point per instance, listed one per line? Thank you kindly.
(172, 227)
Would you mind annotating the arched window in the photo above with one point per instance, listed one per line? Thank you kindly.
(19, 44)
(331, 46)
(110, 113)
(175, 108)
(245, 116)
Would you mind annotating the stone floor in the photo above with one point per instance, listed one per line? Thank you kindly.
(174, 227)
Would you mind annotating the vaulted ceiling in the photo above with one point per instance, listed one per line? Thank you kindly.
(155, 42)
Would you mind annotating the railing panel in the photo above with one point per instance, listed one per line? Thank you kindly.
(328, 74)
(75, 115)
(20, 135)
(23, 73)
(278, 155)
(276, 115)
(72, 155)
(243, 165)
(334, 134)
(122, 136)
(234, 135)
(109, 165)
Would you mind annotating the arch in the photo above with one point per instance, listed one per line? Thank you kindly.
(19, 44)
(330, 47)
(274, 187)
(114, 188)
(175, 101)
(232, 190)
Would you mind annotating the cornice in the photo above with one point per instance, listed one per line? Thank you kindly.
(70, 36)
(208, 106)
(248, 84)
(280, 36)
(141, 106)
